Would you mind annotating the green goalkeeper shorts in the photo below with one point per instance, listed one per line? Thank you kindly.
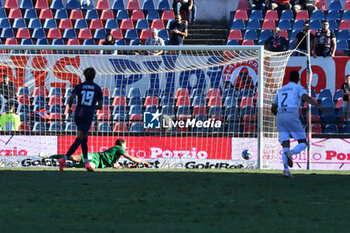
(93, 157)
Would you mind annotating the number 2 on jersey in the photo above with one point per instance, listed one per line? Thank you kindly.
(87, 97)
(284, 99)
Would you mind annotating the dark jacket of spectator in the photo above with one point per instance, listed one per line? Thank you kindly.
(276, 42)
(7, 88)
(177, 31)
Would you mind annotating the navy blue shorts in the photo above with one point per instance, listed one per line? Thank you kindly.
(83, 119)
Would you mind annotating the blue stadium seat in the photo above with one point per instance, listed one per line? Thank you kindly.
(168, 110)
(251, 35)
(100, 34)
(57, 42)
(38, 33)
(199, 101)
(61, 14)
(167, 100)
(285, 24)
(26, 42)
(148, 5)
(233, 127)
(2, 13)
(5, 23)
(49, 23)
(134, 91)
(298, 24)
(55, 91)
(118, 5)
(7, 33)
(34, 23)
(229, 92)
(69, 34)
(119, 109)
(56, 108)
(256, 14)
(19, 23)
(135, 109)
(73, 4)
(232, 42)
(141, 24)
(247, 110)
(39, 100)
(118, 92)
(26, 4)
(330, 129)
(345, 129)
(104, 127)
(89, 42)
(55, 127)
(315, 24)
(163, 5)
(245, 93)
(71, 126)
(317, 15)
(152, 14)
(253, 24)
(333, 15)
(135, 100)
(183, 110)
(215, 110)
(42, 41)
(163, 34)
(324, 93)
(346, 15)
(342, 45)
(91, 14)
(122, 14)
(294, 34)
(23, 108)
(136, 127)
(23, 91)
(338, 94)
(231, 101)
(343, 35)
(151, 108)
(287, 15)
(238, 24)
(56, 5)
(120, 42)
(111, 24)
(80, 23)
(333, 25)
(335, 5)
(264, 35)
(39, 126)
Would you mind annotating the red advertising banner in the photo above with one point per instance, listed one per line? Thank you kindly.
(159, 147)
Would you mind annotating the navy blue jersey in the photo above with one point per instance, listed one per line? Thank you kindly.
(88, 93)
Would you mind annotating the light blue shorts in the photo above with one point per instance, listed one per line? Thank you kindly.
(289, 125)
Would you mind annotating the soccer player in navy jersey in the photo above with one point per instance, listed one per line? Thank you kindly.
(286, 109)
(88, 94)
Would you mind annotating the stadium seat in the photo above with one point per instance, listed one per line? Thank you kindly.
(49, 23)
(151, 100)
(11, 41)
(298, 25)
(316, 128)
(69, 34)
(5, 23)
(45, 14)
(100, 34)
(243, 5)
(183, 100)
(238, 24)
(54, 33)
(215, 110)
(256, 14)
(136, 127)
(330, 129)
(91, 14)
(26, 4)
(152, 14)
(285, 24)
(76, 14)
(167, 15)
(317, 15)
(7, 33)
(107, 14)
(322, 5)
(111, 24)
(135, 100)
(163, 5)
(118, 5)
(104, 127)
(342, 45)
(55, 127)
(158, 24)
(213, 92)
(253, 24)
(61, 14)
(10, 4)
(315, 25)
(251, 35)
(302, 15)
(80, 23)
(24, 99)
(133, 5)
(333, 15)
(41, 4)
(29, 14)
(338, 94)
(333, 25)
(134, 91)
(65, 24)
(55, 99)
(34, 23)
(96, 24)
(287, 15)
(235, 35)
(23, 33)
(264, 35)
(135, 109)
(344, 24)
(241, 14)
(141, 24)
(119, 100)
(120, 127)
(126, 24)
(271, 14)
(18, 23)
(347, 6)
(183, 110)
(84, 33)
(73, 5)
(229, 92)
(230, 101)
(102, 5)
(167, 100)
(24, 126)
(168, 110)
(56, 5)
(335, 5)
(199, 101)
(39, 126)
(15, 14)
(214, 101)
(145, 33)
(117, 35)
(148, 5)
(268, 25)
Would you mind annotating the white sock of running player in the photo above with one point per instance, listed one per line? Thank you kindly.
(298, 148)
(285, 159)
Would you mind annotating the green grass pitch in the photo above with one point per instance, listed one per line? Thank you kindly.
(44, 200)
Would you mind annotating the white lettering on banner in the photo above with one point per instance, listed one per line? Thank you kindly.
(210, 123)
(193, 154)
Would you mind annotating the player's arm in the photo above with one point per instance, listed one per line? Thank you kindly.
(99, 104)
(70, 102)
(311, 101)
(334, 42)
(136, 160)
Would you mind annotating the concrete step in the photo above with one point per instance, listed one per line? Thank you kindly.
(208, 31)
(206, 36)
(204, 41)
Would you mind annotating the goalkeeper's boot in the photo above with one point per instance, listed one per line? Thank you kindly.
(290, 158)
(62, 162)
(287, 174)
(88, 167)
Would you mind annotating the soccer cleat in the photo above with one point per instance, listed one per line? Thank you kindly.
(62, 163)
(290, 158)
(287, 174)
(88, 167)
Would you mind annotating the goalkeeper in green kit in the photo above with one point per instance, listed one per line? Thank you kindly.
(107, 158)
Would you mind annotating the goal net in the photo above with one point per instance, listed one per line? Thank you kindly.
(192, 107)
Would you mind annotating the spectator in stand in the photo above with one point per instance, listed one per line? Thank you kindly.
(7, 88)
(10, 121)
(109, 40)
(300, 41)
(155, 40)
(259, 5)
(276, 42)
(279, 5)
(304, 5)
(325, 42)
(187, 5)
(345, 90)
(177, 31)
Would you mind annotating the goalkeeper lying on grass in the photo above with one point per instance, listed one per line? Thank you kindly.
(107, 158)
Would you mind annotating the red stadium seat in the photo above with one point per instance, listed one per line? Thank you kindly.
(249, 118)
(135, 117)
(271, 14)
(181, 92)
(107, 14)
(136, 15)
(103, 116)
(45, 14)
(24, 126)
(249, 127)
(198, 109)
(105, 110)
(321, 4)
(339, 104)
(302, 15)
(76, 14)
(54, 33)
(126, 24)
(55, 99)
(248, 42)
(217, 117)
(119, 100)
(11, 41)
(268, 24)
(84, 33)
(96, 24)
(167, 15)
(55, 117)
(102, 5)
(73, 42)
(41, 4)
(105, 91)
(158, 24)
(145, 33)
(10, 4)
(151, 100)
(183, 100)
(213, 92)
(344, 24)
(243, 5)
(316, 128)
(120, 127)
(215, 101)
(133, 5)
(40, 91)
(66, 111)
(235, 34)
(247, 101)
(241, 14)
(65, 24)
(15, 14)
(284, 33)
(347, 5)
(23, 33)
(117, 34)
(24, 99)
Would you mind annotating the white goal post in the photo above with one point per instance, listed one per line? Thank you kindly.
(212, 101)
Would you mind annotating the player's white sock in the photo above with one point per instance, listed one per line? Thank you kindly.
(285, 159)
(298, 148)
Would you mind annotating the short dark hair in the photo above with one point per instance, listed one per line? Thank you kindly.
(89, 74)
(325, 21)
(120, 141)
(294, 76)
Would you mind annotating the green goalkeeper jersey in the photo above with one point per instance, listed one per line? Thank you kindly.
(111, 156)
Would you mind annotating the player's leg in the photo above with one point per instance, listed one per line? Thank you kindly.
(284, 136)
(93, 160)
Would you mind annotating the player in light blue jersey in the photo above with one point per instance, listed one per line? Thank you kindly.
(286, 109)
